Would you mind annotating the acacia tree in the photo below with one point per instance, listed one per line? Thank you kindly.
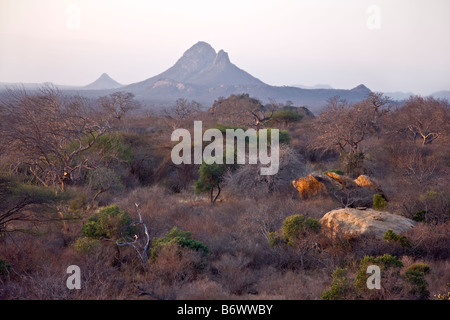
(343, 127)
(182, 111)
(118, 104)
(423, 119)
(211, 177)
(20, 202)
(243, 110)
(47, 133)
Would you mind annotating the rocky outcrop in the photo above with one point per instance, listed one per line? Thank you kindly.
(309, 186)
(353, 223)
(343, 189)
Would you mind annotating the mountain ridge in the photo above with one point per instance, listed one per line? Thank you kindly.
(202, 74)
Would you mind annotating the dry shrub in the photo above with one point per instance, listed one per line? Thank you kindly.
(234, 274)
(247, 181)
(202, 289)
(291, 285)
(431, 241)
(173, 268)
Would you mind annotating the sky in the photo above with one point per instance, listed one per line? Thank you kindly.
(400, 45)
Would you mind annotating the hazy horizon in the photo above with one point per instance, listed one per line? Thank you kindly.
(401, 46)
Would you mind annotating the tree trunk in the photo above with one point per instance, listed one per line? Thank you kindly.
(218, 193)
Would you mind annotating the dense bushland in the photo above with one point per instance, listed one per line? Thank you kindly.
(73, 170)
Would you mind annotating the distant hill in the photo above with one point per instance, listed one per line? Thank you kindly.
(202, 74)
(444, 94)
(317, 86)
(104, 82)
(397, 95)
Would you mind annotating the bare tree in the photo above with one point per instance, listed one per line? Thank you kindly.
(48, 133)
(141, 247)
(118, 104)
(183, 110)
(423, 119)
(343, 127)
(244, 110)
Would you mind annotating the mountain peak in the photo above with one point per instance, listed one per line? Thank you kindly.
(361, 88)
(201, 49)
(104, 82)
(222, 58)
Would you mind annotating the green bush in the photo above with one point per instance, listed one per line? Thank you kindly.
(419, 267)
(384, 262)
(283, 137)
(113, 146)
(341, 287)
(419, 216)
(179, 237)
(111, 223)
(274, 239)
(392, 236)
(415, 276)
(86, 245)
(293, 229)
(294, 226)
(285, 116)
(4, 267)
(379, 203)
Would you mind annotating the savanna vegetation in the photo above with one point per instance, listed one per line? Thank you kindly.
(90, 182)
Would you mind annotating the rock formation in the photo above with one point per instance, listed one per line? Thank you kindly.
(348, 192)
(352, 223)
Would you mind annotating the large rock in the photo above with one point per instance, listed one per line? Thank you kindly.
(309, 186)
(352, 223)
(343, 189)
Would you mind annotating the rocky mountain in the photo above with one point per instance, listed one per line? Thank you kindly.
(104, 82)
(202, 74)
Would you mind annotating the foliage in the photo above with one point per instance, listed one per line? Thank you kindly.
(443, 296)
(294, 228)
(112, 147)
(103, 179)
(285, 117)
(86, 244)
(379, 202)
(243, 110)
(4, 267)
(178, 237)
(419, 216)
(283, 137)
(210, 177)
(415, 276)
(341, 286)
(18, 201)
(392, 236)
(384, 262)
(111, 223)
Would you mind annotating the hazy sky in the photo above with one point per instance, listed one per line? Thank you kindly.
(389, 45)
